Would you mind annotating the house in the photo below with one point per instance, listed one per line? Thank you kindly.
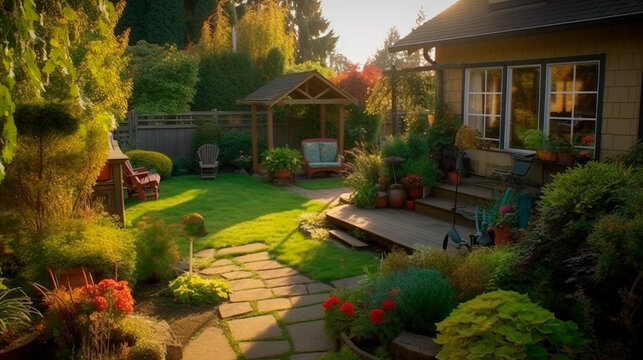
(572, 68)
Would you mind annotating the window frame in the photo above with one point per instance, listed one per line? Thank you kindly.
(485, 93)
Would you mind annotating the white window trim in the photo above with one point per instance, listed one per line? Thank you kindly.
(467, 93)
(507, 122)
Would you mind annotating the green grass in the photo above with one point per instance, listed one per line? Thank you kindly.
(319, 184)
(239, 210)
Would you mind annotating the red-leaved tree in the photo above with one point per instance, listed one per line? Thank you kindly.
(358, 83)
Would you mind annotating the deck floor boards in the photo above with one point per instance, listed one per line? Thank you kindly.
(395, 226)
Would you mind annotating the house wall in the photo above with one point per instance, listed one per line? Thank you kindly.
(623, 49)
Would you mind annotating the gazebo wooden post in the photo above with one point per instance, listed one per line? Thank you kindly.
(322, 120)
(255, 148)
(270, 129)
(341, 130)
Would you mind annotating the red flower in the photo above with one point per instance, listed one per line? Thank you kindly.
(388, 305)
(506, 209)
(105, 284)
(100, 303)
(588, 139)
(347, 309)
(376, 316)
(330, 302)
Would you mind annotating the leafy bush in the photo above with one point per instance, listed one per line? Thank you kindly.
(144, 344)
(152, 161)
(533, 139)
(396, 260)
(364, 172)
(361, 128)
(232, 144)
(507, 325)
(207, 133)
(469, 280)
(97, 243)
(282, 158)
(156, 249)
(190, 288)
(345, 353)
(414, 149)
(431, 258)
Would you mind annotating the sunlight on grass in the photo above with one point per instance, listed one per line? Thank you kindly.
(240, 210)
(318, 184)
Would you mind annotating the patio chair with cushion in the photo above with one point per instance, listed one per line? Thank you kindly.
(518, 171)
(320, 155)
(140, 182)
(208, 163)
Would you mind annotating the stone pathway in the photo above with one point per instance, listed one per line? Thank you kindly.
(273, 310)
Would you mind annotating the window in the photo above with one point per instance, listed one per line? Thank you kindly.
(524, 103)
(483, 102)
(573, 103)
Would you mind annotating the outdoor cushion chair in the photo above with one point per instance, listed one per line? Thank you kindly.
(208, 162)
(140, 182)
(519, 170)
(320, 155)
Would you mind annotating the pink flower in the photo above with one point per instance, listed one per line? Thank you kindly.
(376, 316)
(330, 302)
(347, 309)
(589, 139)
(388, 305)
(100, 303)
(506, 209)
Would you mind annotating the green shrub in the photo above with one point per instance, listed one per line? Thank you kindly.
(422, 297)
(396, 260)
(282, 158)
(98, 244)
(156, 249)
(144, 344)
(426, 167)
(345, 353)
(361, 128)
(233, 144)
(469, 280)
(364, 172)
(152, 161)
(208, 133)
(190, 288)
(181, 166)
(506, 325)
(440, 260)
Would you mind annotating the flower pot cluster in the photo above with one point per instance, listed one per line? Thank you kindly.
(561, 151)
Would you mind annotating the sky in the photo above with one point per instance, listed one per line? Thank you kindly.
(362, 25)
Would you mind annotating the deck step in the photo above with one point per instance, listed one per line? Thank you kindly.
(347, 238)
(441, 208)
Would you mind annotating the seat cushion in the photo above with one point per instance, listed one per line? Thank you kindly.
(331, 164)
(311, 151)
(328, 151)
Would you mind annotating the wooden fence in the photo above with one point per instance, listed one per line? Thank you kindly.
(172, 134)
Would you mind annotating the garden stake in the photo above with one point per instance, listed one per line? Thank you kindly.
(453, 232)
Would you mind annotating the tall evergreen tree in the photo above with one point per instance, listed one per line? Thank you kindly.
(314, 41)
(383, 58)
(202, 10)
(133, 18)
(165, 23)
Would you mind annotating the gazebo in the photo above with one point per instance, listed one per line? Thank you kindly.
(307, 88)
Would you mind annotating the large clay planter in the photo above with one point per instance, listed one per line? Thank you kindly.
(565, 157)
(397, 198)
(282, 174)
(502, 237)
(22, 349)
(381, 201)
(546, 155)
(414, 192)
(455, 177)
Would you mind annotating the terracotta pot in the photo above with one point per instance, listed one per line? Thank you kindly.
(546, 155)
(282, 174)
(105, 173)
(381, 201)
(410, 205)
(23, 348)
(565, 157)
(414, 192)
(502, 237)
(455, 177)
(397, 198)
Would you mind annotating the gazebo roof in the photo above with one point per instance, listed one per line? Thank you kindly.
(307, 88)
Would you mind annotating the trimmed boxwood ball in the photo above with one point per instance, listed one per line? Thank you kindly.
(42, 120)
(194, 225)
(151, 160)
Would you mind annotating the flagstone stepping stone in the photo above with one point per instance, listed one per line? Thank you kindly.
(245, 284)
(237, 275)
(201, 347)
(274, 304)
(249, 295)
(310, 336)
(295, 315)
(219, 270)
(254, 328)
(262, 349)
(319, 288)
(222, 262)
(290, 280)
(348, 282)
(263, 265)
(243, 249)
(308, 299)
(234, 309)
(205, 253)
(277, 273)
(290, 290)
(261, 256)
(307, 356)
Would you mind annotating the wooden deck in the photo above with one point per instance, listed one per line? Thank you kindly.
(396, 227)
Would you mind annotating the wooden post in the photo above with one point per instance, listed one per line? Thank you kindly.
(340, 145)
(270, 129)
(255, 148)
(322, 119)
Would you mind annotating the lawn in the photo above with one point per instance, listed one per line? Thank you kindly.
(318, 184)
(239, 210)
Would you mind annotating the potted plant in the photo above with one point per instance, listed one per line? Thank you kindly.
(381, 199)
(397, 196)
(533, 139)
(282, 162)
(17, 335)
(465, 139)
(413, 185)
(504, 225)
(564, 153)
